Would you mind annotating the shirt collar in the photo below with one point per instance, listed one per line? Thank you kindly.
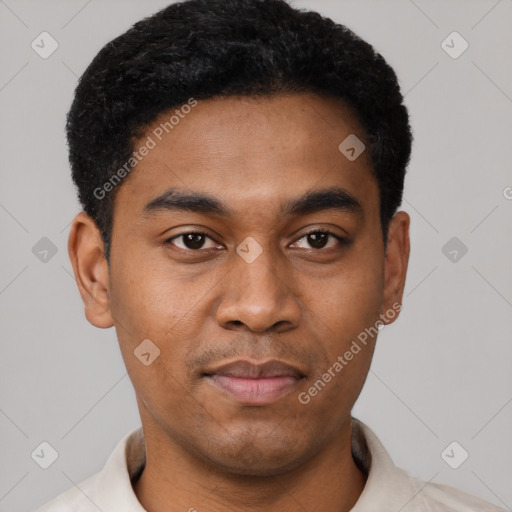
(388, 487)
(113, 486)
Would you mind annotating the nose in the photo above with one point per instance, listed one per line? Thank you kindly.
(259, 296)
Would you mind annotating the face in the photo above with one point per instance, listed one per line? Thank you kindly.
(248, 249)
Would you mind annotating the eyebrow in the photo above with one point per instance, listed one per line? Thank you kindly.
(332, 198)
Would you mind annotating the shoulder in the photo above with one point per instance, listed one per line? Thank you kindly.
(390, 488)
(443, 498)
(74, 499)
(109, 489)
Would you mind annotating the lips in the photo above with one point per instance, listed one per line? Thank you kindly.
(254, 383)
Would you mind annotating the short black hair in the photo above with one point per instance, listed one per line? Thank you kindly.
(203, 49)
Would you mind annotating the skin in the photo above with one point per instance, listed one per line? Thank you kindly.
(297, 302)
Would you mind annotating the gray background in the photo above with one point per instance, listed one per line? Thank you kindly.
(441, 373)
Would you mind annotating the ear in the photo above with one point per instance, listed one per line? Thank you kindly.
(395, 266)
(86, 252)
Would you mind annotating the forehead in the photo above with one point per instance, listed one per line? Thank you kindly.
(250, 151)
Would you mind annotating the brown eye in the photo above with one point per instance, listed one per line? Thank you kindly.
(193, 241)
(319, 240)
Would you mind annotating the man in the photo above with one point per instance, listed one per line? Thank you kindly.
(240, 165)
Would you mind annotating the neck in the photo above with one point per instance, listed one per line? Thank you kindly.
(176, 481)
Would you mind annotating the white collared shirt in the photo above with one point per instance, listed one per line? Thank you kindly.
(388, 488)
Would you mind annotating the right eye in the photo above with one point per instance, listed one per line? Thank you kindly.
(191, 241)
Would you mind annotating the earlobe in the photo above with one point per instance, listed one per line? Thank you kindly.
(86, 252)
(395, 265)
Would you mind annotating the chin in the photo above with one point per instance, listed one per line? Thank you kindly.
(260, 457)
(258, 467)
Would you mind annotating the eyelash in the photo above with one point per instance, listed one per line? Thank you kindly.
(342, 241)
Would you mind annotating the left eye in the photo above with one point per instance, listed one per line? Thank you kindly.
(318, 240)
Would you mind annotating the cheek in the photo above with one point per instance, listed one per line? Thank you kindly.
(348, 307)
(350, 300)
(152, 301)
(154, 357)
(153, 298)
